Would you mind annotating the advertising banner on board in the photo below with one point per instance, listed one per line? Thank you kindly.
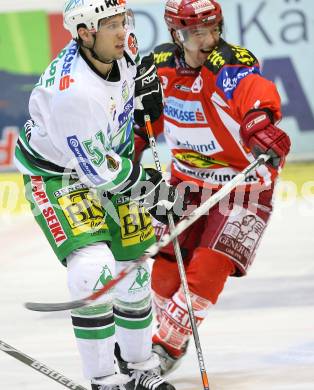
(279, 32)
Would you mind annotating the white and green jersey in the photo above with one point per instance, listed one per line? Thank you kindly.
(82, 122)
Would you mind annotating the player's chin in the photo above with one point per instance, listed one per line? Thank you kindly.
(118, 56)
(119, 50)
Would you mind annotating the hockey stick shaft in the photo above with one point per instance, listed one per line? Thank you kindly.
(154, 249)
(39, 367)
(178, 254)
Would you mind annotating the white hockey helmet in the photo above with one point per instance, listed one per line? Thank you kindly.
(89, 12)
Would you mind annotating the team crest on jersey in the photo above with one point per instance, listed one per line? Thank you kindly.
(112, 164)
(197, 85)
(132, 43)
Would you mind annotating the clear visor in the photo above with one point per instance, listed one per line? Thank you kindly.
(118, 22)
(202, 37)
(130, 18)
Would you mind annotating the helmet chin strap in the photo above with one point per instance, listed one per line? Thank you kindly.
(94, 54)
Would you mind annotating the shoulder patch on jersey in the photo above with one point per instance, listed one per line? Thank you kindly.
(231, 76)
(227, 54)
(132, 44)
(164, 54)
(243, 56)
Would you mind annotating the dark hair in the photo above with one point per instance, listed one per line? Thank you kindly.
(79, 39)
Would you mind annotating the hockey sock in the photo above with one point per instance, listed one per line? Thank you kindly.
(133, 314)
(160, 304)
(175, 328)
(89, 269)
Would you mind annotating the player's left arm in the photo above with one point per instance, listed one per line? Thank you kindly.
(257, 104)
(253, 100)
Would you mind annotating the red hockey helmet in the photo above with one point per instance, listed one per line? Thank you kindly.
(184, 13)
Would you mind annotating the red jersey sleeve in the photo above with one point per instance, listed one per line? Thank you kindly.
(238, 79)
(254, 91)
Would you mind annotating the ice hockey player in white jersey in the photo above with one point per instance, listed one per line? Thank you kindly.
(76, 156)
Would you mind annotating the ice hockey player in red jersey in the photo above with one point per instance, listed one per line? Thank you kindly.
(219, 115)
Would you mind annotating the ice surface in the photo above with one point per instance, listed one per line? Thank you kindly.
(260, 335)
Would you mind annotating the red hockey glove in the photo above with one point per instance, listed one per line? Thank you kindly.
(262, 136)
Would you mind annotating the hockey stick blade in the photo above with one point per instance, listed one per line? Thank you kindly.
(47, 307)
(40, 367)
(55, 306)
(154, 249)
